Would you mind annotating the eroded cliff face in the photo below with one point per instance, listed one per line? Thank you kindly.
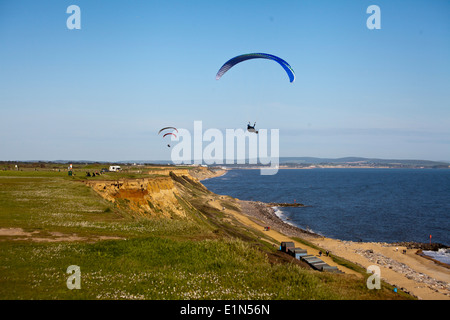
(166, 172)
(158, 196)
(155, 197)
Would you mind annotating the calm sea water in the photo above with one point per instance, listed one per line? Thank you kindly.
(381, 205)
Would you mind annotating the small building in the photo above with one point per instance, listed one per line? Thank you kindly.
(297, 253)
(318, 265)
(310, 259)
(314, 262)
(285, 245)
(332, 269)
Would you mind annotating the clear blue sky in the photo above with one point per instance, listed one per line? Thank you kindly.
(102, 92)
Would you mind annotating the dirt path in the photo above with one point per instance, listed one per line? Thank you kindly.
(18, 234)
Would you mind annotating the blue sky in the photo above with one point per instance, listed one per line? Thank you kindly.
(102, 92)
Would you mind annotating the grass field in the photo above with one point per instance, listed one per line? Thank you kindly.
(57, 221)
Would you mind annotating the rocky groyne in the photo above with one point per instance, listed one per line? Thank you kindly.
(266, 214)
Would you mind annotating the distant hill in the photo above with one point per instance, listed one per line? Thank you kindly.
(359, 161)
(283, 161)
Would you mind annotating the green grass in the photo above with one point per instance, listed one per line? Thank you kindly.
(158, 268)
(79, 171)
(199, 258)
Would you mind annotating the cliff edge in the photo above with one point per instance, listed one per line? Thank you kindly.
(161, 194)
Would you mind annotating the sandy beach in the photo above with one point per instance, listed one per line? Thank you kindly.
(408, 271)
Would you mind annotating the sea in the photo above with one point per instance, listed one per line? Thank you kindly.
(370, 205)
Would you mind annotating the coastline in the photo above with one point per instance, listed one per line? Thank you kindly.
(409, 271)
(210, 174)
(325, 166)
(400, 265)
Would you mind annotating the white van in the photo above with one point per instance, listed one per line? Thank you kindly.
(114, 168)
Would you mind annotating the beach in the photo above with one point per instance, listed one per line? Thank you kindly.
(399, 266)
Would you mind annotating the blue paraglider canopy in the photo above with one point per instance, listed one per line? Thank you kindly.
(233, 61)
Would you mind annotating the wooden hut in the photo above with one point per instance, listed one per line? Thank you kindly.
(286, 245)
(330, 269)
(297, 253)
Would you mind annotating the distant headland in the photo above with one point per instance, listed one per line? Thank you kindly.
(284, 163)
(347, 162)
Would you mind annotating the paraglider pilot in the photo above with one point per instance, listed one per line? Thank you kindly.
(251, 128)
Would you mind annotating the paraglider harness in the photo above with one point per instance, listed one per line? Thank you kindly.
(251, 128)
